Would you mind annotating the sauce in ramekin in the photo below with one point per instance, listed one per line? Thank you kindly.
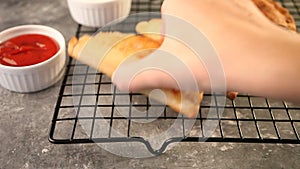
(27, 49)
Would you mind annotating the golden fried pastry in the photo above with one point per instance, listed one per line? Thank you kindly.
(276, 13)
(107, 50)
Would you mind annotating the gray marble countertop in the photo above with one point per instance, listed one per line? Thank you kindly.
(25, 121)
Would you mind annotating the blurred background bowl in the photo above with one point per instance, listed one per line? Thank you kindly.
(37, 76)
(98, 13)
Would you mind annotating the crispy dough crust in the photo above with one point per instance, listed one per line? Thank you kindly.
(151, 29)
(113, 47)
(276, 13)
(75, 46)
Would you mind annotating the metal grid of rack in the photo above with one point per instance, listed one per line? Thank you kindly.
(88, 98)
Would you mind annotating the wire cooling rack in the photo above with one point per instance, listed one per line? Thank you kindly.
(87, 99)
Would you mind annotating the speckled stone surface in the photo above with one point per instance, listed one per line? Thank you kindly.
(25, 121)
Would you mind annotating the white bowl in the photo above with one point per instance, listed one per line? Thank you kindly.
(98, 13)
(38, 76)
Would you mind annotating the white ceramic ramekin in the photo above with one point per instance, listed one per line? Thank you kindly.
(38, 76)
(98, 13)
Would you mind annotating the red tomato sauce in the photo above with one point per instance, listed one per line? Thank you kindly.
(28, 49)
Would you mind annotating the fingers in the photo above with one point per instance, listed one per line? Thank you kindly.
(158, 70)
(145, 78)
(150, 72)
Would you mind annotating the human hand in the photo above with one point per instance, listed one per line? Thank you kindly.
(235, 28)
